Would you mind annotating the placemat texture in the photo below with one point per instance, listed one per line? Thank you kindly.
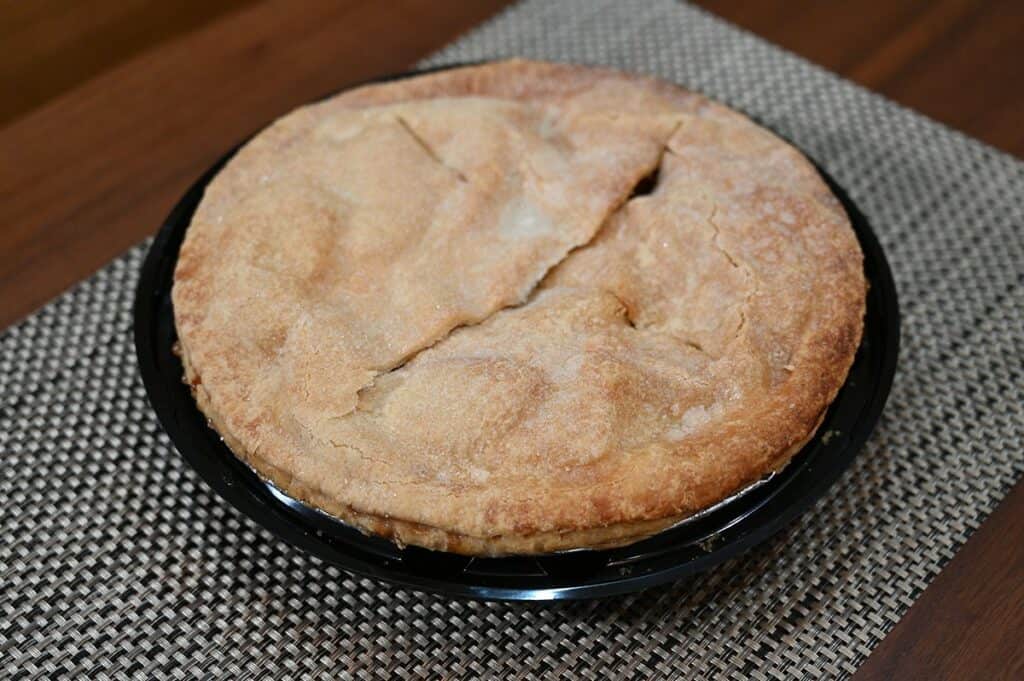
(116, 562)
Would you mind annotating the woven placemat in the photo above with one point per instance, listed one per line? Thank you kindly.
(116, 561)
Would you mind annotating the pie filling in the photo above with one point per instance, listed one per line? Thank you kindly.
(517, 308)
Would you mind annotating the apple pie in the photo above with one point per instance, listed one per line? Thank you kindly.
(519, 307)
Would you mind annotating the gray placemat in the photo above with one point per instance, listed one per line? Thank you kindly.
(115, 560)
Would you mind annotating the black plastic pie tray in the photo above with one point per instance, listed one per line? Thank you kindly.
(723, 532)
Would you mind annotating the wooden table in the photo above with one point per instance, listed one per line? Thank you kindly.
(109, 109)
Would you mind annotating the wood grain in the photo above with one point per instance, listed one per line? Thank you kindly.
(51, 46)
(111, 108)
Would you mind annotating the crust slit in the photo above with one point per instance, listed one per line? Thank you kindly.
(430, 151)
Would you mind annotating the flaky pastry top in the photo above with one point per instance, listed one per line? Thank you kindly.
(517, 307)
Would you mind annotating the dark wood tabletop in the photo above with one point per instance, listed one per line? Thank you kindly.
(109, 109)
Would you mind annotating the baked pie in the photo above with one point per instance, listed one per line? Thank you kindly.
(518, 307)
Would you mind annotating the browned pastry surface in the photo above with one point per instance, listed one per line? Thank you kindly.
(436, 309)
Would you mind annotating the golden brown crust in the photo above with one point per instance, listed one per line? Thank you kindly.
(568, 370)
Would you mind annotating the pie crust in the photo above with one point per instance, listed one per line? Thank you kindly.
(517, 308)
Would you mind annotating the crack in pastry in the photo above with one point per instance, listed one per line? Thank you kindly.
(644, 186)
(516, 308)
(715, 239)
(752, 290)
(645, 181)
